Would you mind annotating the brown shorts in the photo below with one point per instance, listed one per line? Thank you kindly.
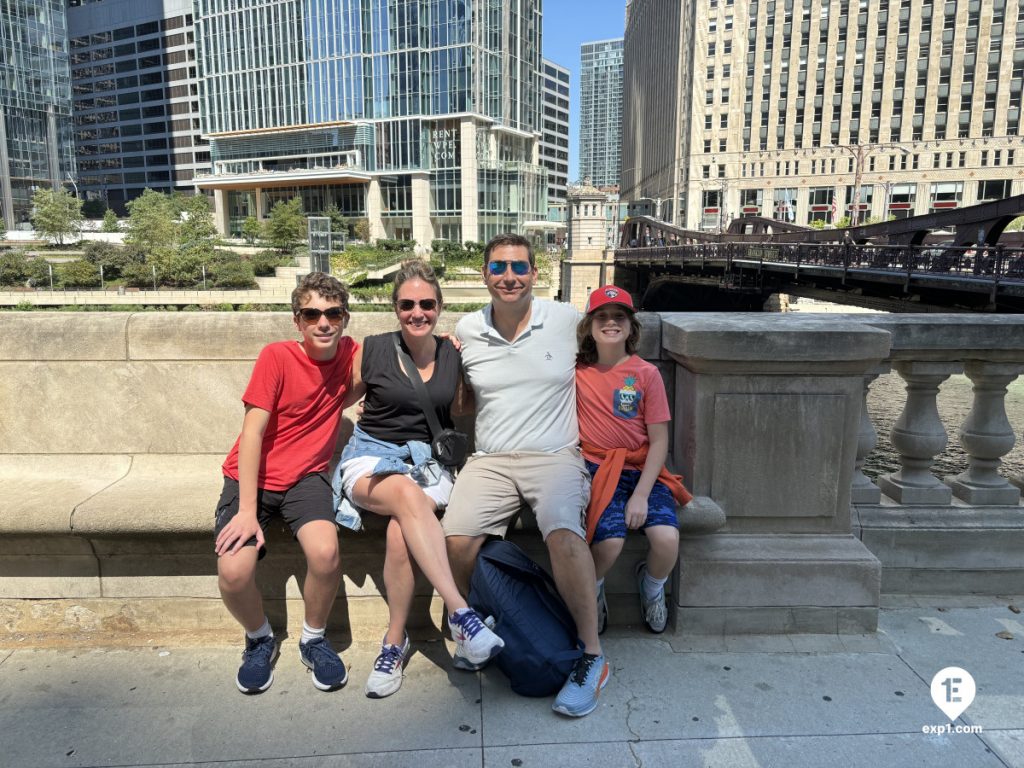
(491, 488)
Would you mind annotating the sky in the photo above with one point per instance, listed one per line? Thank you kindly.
(567, 25)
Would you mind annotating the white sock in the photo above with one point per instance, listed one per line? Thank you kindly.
(308, 633)
(652, 586)
(263, 631)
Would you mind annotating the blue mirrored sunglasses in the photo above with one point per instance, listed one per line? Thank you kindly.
(498, 267)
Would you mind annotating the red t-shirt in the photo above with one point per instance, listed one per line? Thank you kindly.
(615, 404)
(303, 398)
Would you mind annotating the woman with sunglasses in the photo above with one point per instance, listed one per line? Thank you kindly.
(387, 469)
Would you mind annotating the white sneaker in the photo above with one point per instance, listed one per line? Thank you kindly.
(388, 670)
(654, 612)
(475, 643)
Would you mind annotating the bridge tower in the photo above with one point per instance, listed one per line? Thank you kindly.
(589, 262)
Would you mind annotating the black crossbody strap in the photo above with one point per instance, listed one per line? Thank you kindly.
(421, 389)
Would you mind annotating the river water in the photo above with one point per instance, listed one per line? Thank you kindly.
(888, 395)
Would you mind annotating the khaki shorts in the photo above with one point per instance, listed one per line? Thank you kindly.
(491, 488)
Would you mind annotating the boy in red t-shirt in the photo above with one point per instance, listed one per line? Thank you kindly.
(278, 466)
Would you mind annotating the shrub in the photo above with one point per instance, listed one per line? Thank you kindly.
(236, 275)
(94, 209)
(14, 269)
(39, 271)
(79, 274)
(264, 262)
(138, 275)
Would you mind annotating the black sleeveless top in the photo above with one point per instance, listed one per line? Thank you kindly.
(391, 409)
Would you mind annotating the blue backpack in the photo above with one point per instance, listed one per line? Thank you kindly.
(541, 644)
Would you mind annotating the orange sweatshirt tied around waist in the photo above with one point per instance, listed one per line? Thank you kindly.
(612, 462)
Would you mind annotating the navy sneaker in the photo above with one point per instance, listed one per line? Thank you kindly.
(257, 670)
(328, 670)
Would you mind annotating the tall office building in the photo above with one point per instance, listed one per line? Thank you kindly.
(421, 115)
(35, 105)
(601, 112)
(788, 107)
(136, 98)
(554, 142)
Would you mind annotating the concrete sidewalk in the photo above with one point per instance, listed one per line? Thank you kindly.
(735, 702)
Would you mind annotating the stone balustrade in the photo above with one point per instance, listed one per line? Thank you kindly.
(957, 534)
(113, 426)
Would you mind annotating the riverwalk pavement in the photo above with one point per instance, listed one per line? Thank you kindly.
(679, 700)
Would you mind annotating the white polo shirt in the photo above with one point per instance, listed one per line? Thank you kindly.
(525, 389)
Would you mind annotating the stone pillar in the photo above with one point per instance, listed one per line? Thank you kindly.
(767, 424)
(468, 170)
(863, 491)
(373, 210)
(918, 436)
(422, 228)
(986, 436)
(220, 211)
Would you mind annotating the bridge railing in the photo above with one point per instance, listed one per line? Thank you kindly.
(996, 262)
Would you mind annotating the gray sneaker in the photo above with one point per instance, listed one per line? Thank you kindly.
(602, 611)
(654, 612)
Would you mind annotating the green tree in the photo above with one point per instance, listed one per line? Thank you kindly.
(361, 229)
(153, 224)
(1016, 225)
(286, 227)
(197, 233)
(251, 229)
(339, 224)
(58, 214)
(110, 223)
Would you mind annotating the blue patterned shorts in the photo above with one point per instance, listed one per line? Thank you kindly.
(661, 506)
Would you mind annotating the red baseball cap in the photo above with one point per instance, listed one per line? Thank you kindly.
(609, 294)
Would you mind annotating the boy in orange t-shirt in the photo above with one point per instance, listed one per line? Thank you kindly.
(624, 415)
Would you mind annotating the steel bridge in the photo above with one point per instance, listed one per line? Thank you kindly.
(888, 265)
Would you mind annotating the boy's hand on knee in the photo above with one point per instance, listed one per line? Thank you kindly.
(636, 512)
(236, 533)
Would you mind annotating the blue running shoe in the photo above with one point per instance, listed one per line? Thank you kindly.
(475, 643)
(329, 673)
(257, 670)
(579, 695)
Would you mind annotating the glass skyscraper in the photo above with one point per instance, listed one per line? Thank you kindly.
(423, 116)
(35, 104)
(601, 112)
(136, 98)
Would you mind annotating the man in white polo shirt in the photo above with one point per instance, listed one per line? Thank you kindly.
(519, 358)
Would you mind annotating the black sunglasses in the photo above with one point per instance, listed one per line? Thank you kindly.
(498, 267)
(427, 305)
(310, 315)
